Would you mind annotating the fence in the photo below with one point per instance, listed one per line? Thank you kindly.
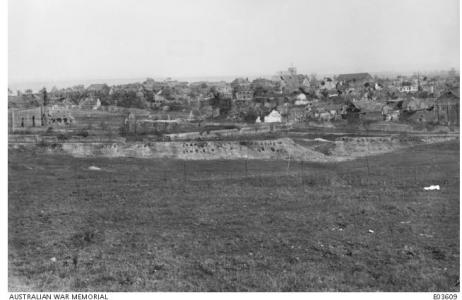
(400, 175)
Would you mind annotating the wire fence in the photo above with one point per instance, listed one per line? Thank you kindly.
(364, 173)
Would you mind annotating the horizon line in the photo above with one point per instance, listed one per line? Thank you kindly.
(199, 77)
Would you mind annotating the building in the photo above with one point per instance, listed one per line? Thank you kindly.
(90, 104)
(27, 118)
(273, 117)
(408, 87)
(41, 116)
(225, 92)
(447, 108)
(290, 81)
(240, 84)
(301, 100)
(244, 95)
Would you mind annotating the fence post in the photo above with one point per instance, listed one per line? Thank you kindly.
(288, 165)
(301, 171)
(368, 169)
(246, 157)
(12, 121)
(367, 163)
(184, 175)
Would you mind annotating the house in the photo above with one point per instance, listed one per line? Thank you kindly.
(90, 103)
(225, 92)
(244, 95)
(301, 99)
(273, 117)
(408, 87)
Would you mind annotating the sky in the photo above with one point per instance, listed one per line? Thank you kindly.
(55, 40)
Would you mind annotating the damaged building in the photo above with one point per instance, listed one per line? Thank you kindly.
(40, 116)
(447, 108)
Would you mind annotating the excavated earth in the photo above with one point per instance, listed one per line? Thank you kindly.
(318, 150)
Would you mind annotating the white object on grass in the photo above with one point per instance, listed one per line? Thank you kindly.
(93, 168)
(321, 140)
(432, 187)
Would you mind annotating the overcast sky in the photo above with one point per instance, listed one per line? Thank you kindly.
(89, 39)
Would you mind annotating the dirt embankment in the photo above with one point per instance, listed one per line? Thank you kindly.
(204, 150)
(319, 150)
(349, 148)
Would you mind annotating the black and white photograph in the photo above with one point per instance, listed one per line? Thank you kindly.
(232, 146)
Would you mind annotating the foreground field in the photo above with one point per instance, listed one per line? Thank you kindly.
(166, 225)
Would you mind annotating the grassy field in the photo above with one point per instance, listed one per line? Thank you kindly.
(164, 225)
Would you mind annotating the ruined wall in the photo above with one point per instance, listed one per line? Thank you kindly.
(39, 117)
(26, 118)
